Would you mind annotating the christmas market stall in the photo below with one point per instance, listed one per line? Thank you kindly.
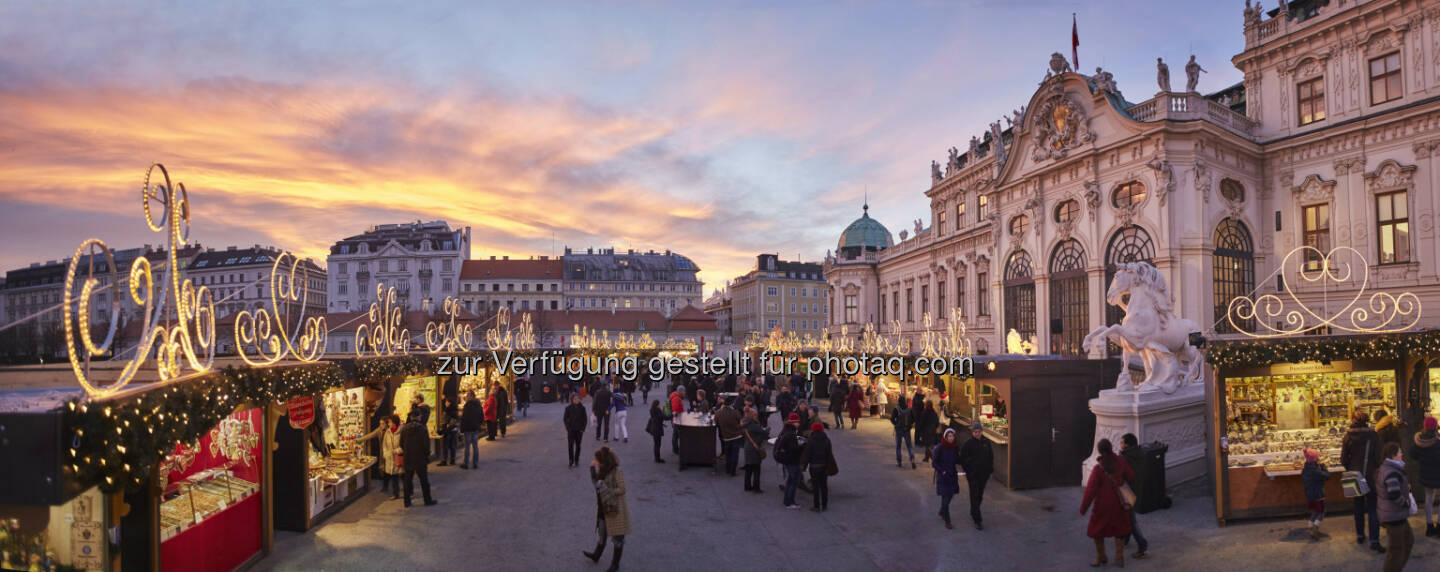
(320, 463)
(1275, 397)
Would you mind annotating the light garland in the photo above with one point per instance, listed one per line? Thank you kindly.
(1381, 313)
(447, 336)
(254, 328)
(192, 335)
(1263, 353)
(383, 336)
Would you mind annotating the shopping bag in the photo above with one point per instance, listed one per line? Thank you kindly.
(1353, 484)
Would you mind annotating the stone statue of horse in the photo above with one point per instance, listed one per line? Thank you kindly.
(1150, 330)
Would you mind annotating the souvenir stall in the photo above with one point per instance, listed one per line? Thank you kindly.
(1274, 398)
(210, 506)
(320, 463)
(1035, 410)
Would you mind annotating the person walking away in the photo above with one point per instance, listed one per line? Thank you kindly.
(645, 385)
(728, 423)
(1395, 507)
(472, 420)
(977, 457)
(784, 403)
(819, 457)
(618, 404)
(838, 393)
(927, 426)
(755, 434)
(601, 407)
(612, 515)
(945, 459)
(1102, 492)
(656, 426)
(1426, 452)
(789, 449)
(415, 450)
(502, 404)
(492, 416)
(1313, 477)
(903, 421)
(390, 464)
(522, 397)
(855, 402)
(1134, 456)
(1360, 452)
(575, 418)
(450, 434)
(1388, 427)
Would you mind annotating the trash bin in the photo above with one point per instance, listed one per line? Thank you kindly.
(1150, 479)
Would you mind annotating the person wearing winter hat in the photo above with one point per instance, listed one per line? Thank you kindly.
(789, 452)
(978, 460)
(945, 459)
(818, 457)
(1426, 453)
(1313, 477)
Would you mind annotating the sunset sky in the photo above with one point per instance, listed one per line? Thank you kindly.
(716, 129)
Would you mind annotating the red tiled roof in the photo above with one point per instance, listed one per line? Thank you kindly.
(511, 269)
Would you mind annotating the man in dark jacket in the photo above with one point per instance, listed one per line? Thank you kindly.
(727, 421)
(415, 447)
(419, 408)
(838, 391)
(502, 406)
(1360, 452)
(522, 396)
(978, 460)
(601, 406)
(1426, 453)
(575, 418)
(817, 457)
(472, 422)
(1135, 457)
(789, 451)
(785, 403)
(903, 421)
(1393, 490)
(927, 423)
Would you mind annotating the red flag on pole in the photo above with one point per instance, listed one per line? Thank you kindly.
(1075, 42)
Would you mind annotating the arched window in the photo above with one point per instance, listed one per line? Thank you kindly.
(1020, 294)
(1234, 271)
(1128, 195)
(1066, 211)
(1019, 224)
(1069, 299)
(1232, 190)
(1129, 244)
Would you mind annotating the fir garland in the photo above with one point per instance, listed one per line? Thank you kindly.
(1380, 347)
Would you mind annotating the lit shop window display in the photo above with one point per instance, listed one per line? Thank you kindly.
(69, 536)
(427, 388)
(210, 510)
(1269, 419)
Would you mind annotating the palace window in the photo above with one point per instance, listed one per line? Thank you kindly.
(982, 299)
(909, 304)
(983, 207)
(940, 304)
(1020, 294)
(882, 307)
(1385, 84)
(895, 306)
(1067, 211)
(960, 294)
(852, 309)
(1129, 244)
(1310, 100)
(1069, 299)
(1019, 225)
(1234, 272)
(1128, 195)
(924, 299)
(1317, 233)
(1392, 217)
(960, 215)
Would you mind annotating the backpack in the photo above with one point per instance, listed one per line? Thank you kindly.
(788, 450)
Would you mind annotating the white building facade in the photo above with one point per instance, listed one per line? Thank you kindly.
(1341, 119)
(422, 260)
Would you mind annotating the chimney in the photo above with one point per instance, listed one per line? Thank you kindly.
(492, 258)
(505, 258)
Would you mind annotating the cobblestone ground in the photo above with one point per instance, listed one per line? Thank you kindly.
(524, 510)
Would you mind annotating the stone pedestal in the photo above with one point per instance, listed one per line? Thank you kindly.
(1177, 420)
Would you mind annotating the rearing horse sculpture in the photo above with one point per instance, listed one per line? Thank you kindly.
(1150, 330)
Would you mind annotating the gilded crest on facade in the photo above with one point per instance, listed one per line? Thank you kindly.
(1061, 125)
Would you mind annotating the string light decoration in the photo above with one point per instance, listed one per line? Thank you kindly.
(1379, 313)
(116, 444)
(499, 336)
(1381, 347)
(447, 336)
(953, 341)
(265, 329)
(383, 336)
(186, 340)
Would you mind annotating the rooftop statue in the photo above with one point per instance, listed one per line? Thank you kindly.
(1192, 74)
(1162, 74)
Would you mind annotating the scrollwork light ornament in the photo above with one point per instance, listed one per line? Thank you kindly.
(189, 332)
(383, 336)
(1379, 313)
(266, 329)
(447, 336)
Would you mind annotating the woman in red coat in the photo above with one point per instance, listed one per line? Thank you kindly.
(1110, 519)
(854, 404)
(492, 415)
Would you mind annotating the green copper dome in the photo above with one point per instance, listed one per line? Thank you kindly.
(865, 234)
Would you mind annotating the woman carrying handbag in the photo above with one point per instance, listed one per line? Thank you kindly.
(1107, 493)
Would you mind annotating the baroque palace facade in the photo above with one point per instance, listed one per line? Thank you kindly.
(1333, 139)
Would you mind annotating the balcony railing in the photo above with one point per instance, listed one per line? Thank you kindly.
(1173, 106)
